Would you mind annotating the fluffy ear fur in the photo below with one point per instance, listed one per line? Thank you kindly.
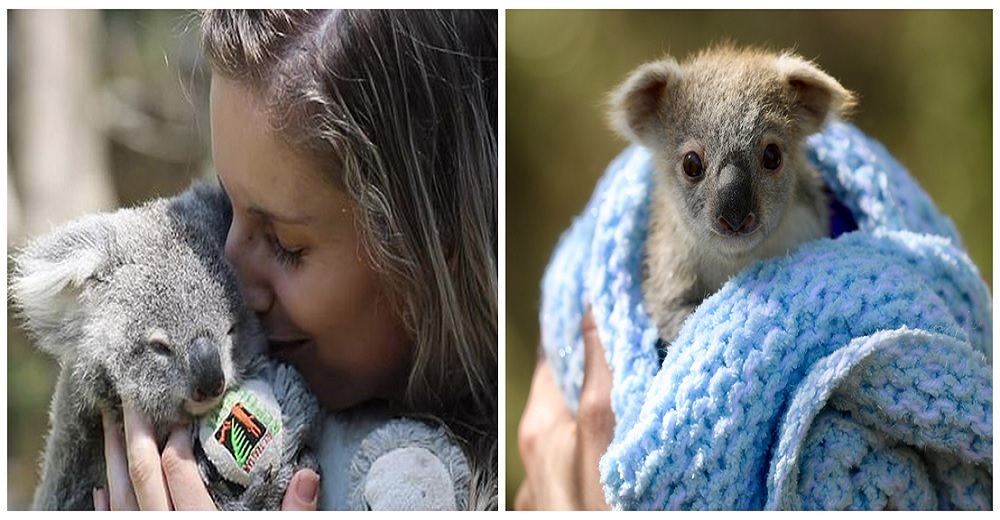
(205, 208)
(49, 275)
(635, 105)
(817, 94)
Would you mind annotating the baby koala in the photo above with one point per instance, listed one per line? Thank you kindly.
(138, 305)
(732, 185)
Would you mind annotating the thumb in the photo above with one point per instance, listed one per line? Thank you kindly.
(595, 418)
(303, 492)
(597, 374)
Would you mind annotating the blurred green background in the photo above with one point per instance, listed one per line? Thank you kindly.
(105, 109)
(924, 79)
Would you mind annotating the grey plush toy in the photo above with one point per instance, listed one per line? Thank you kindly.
(139, 305)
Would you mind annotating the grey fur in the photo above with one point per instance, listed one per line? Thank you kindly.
(138, 304)
(726, 105)
(405, 433)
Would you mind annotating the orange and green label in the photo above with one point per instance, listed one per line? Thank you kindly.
(244, 428)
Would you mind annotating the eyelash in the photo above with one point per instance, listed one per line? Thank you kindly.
(290, 258)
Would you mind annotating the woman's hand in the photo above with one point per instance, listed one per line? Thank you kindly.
(561, 453)
(140, 477)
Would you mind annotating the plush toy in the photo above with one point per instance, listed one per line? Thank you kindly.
(406, 464)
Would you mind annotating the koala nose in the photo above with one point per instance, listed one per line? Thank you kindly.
(746, 224)
(206, 370)
(736, 207)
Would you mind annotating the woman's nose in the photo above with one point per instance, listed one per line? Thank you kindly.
(241, 252)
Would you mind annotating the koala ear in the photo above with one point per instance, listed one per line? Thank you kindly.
(636, 105)
(49, 275)
(816, 94)
(203, 209)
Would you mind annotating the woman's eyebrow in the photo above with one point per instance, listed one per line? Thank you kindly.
(268, 214)
(284, 219)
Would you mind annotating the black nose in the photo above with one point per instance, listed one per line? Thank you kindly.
(746, 224)
(208, 379)
(735, 201)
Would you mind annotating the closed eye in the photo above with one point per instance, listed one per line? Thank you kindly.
(158, 341)
(160, 347)
(285, 256)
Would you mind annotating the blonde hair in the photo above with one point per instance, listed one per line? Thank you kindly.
(400, 107)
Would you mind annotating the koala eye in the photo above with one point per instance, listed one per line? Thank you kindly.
(158, 341)
(160, 347)
(692, 166)
(232, 329)
(772, 157)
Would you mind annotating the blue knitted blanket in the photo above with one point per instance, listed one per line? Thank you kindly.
(853, 373)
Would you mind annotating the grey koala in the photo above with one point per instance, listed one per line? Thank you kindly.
(139, 305)
(732, 182)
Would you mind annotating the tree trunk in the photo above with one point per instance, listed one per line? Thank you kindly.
(59, 148)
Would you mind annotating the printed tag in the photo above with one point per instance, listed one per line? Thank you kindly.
(238, 436)
(243, 436)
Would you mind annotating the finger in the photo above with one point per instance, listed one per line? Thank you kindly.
(545, 442)
(121, 496)
(595, 391)
(303, 492)
(544, 408)
(554, 487)
(187, 491)
(597, 374)
(545, 393)
(144, 461)
(595, 419)
(101, 500)
(595, 416)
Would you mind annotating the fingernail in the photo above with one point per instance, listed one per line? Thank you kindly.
(308, 488)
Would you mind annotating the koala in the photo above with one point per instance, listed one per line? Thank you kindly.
(138, 305)
(732, 184)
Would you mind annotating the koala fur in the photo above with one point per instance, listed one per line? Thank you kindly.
(747, 192)
(139, 305)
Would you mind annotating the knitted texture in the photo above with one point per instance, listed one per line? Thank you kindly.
(853, 373)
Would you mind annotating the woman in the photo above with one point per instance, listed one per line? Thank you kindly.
(359, 151)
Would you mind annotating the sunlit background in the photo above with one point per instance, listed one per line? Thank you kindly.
(924, 79)
(103, 109)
